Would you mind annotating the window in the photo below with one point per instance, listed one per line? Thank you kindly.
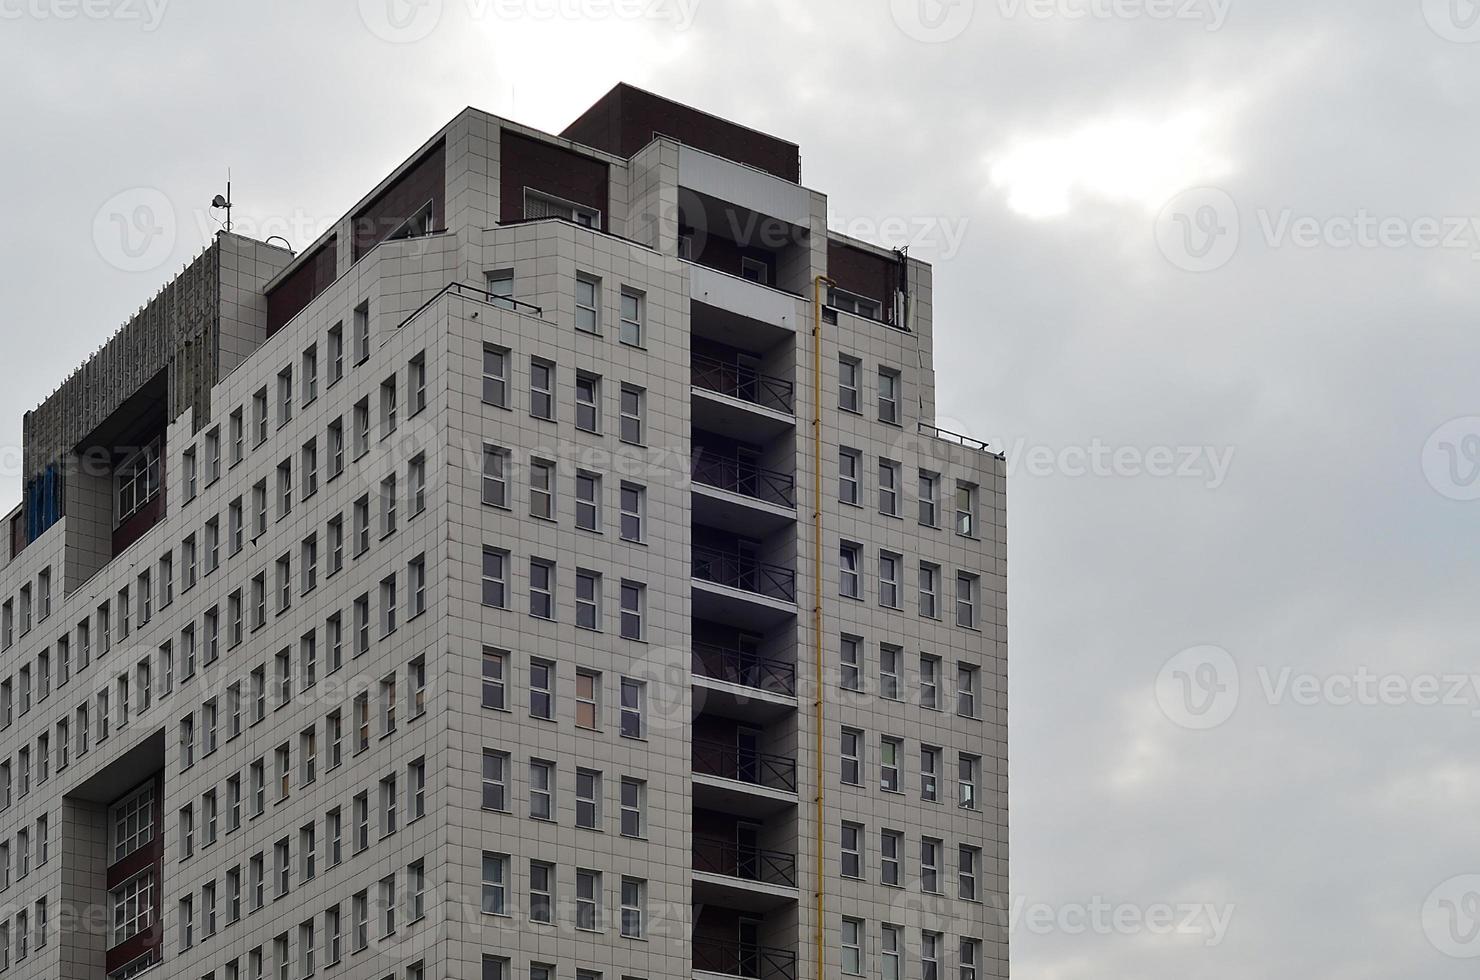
(634, 306)
(495, 780)
(542, 489)
(335, 441)
(388, 905)
(285, 397)
(588, 899)
(889, 750)
(891, 843)
(496, 374)
(889, 565)
(284, 489)
(852, 846)
(848, 371)
(259, 417)
(889, 388)
(235, 434)
(588, 799)
(850, 667)
(968, 860)
(633, 695)
(495, 476)
(588, 501)
(889, 952)
(495, 883)
(310, 468)
(497, 968)
(966, 683)
(541, 389)
(495, 690)
(632, 399)
(970, 957)
(634, 904)
(929, 586)
(588, 699)
(136, 484)
(929, 485)
(361, 526)
(501, 288)
(754, 270)
(538, 205)
(188, 469)
(416, 484)
(388, 704)
(852, 755)
(634, 504)
(588, 402)
(588, 304)
(853, 303)
(132, 823)
(852, 947)
(416, 384)
(966, 595)
(966, 509)
(362, 332)
(541, 790)
(541, 891)
(187, 832)
(259, 509)
(388, 506)
(359, 905)
(541, 588)
(361, 414)
(187, 923)
(541, 689)
(888, 488)
(132, 907)
(929, 865)
(930, 682)
(849, 462)
(891, 661)
(416, 789)
(361, 814)
(416, 585)
(235, 532)
(336, 354)
(588, 599)
(968, 771)
(633, 793)
(634, 598)
(929, 773)
(387, 806)
(310, 374)
(387, 407)
(848, 558)
(387, 605)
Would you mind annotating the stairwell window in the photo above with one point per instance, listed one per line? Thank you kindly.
(852, 850)
(888, 488)
(889, 565)
(634, 906)
(850, 462)
(851, 749)
(495, 476)
(966, 509)
(966, 599)
(852, 947)
(966, 690)
(632, 400)
(541, 588)
(929, 493)
(633, 696)
(848, 580)
(588, 402)
(929, 589)
(889, 752)
(496, 376)
(495, 780)
(588, 599)
(542, 389)
(850, 676)
(634, 599)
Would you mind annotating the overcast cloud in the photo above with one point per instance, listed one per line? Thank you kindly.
(1206, 269)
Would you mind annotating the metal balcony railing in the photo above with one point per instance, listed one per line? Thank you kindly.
(746, 669)
(747, 574)
(717, 856)
(746, 384)
(728, 761)
(960, 440)
(749, 960)
(746, 479)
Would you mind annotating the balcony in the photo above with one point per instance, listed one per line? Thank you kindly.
(740, 685)
(745, 574)
(751, 961)
(740, 496)
(742, 383)
(744, 782)
(741, 876)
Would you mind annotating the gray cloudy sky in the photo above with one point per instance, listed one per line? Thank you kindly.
(1207, 269)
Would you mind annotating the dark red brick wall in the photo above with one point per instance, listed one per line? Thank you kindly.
(423, 181)
(562, 173)
(288, 298)
(863, 273)
(626, 119)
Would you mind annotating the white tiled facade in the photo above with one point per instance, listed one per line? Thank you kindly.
(748, 905)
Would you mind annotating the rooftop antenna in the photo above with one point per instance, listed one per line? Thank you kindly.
(218, 202)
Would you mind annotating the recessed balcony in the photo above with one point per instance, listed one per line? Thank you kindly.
(742, 781)
(748, 961)
(741, 685)
(741, 496)
(737, 589)
(742, 876)
(740, 402)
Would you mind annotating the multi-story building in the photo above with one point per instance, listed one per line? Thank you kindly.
(553, 571)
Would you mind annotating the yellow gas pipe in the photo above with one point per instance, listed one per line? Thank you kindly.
(819, 925)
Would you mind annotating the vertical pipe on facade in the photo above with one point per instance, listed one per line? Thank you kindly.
(819, 925)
